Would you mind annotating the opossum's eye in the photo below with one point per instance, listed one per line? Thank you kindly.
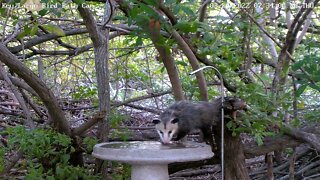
(161, 132)
(156, 121)
(170, 132)
(175, 120)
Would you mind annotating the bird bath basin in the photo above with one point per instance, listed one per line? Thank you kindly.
(150, 159)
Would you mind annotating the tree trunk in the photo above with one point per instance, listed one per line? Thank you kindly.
(100, 45)
(202, 84)
(164, 52)
(235, 166)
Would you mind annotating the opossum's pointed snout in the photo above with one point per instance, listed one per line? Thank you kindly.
(165, 142)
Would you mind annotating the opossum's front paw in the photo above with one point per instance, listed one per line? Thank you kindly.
(176, 142)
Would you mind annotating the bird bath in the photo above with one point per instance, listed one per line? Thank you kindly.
(150, 159)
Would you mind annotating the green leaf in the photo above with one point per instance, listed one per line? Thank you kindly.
(264, 77)
(118, 17)
(130, 22)
(314, 86)
(300, 90)
(43, 12)
(26, 31)
(316, 77)
(259, 140)
(170, 2)
(302, 76)
(134, 12)
(142, 20)
(148, 10)
(54, 29)
(229, 125)
(182, 63)
(139, 41)
(187, 10)
(162, 69)
(34, 30)
(262, 94)
(65, 158)
(50, 178)
(176, 9)
(3, 12)
(151, 2)
(186, 27)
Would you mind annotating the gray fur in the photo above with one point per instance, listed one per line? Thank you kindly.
(198, 115)
(191, 116)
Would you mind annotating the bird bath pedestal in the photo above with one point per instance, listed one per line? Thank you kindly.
(150, 159)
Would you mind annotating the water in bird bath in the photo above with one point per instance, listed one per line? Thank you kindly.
(148, 145)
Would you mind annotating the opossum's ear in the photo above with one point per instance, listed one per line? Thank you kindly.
(175, 120)
(156, 121)
(176, 112)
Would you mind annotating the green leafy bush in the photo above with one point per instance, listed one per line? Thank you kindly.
(47, 153)
(2, 159)
(89, 142)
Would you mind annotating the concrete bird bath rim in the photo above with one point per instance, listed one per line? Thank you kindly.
(150, 159)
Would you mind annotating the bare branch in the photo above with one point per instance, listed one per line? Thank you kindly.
(202, 12)
(13, 35)
(46, 95)
(44, 38)
(266, 38)
(28, 121)
(99, 116)
(151, 95)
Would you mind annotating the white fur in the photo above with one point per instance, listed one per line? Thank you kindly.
(168, 133)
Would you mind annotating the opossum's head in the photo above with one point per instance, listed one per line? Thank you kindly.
(166, 129)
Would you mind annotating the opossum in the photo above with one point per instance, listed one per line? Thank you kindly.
(182, 117)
